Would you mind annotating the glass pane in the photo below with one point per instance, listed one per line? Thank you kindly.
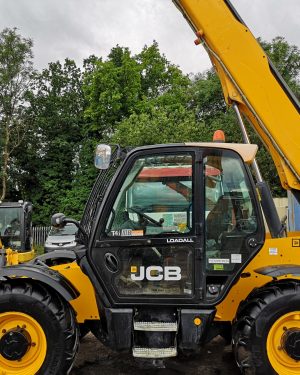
(163, 270)
(155, 198)
(229, 210)
(68, 229)
(10, 227)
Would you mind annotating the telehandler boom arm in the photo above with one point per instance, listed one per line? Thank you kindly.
(250, 81)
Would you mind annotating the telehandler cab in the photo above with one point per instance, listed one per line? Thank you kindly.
(172, 249)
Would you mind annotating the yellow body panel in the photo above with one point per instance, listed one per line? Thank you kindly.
(277, 251)
(247, 79)
(85, 305)
(14, 257)
(25, 257)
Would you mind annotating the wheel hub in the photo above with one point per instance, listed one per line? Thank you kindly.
(14, 344)
(291, 343)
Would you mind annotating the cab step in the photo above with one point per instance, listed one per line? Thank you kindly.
(155, 326)
(154, 352)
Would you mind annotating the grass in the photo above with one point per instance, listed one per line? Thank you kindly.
(39, 249)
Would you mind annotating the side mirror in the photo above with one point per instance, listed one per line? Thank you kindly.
(58, 220)
(102, 156)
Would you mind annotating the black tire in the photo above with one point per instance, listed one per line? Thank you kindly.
(52, 317)
(257, 349)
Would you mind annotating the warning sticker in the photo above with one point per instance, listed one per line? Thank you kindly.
(236, 258)
(218, 267)
(127, 233)
(137, 232)
(122, 233)
(273, 251)
(218, 261)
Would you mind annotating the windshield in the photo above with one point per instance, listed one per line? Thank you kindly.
(155, 197)
(10, 218)
(170, 192)
(69, 229)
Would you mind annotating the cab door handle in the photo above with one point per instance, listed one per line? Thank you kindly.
(111, 262)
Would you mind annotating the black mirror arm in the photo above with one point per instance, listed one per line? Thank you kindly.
(82, 231)
(60, 220)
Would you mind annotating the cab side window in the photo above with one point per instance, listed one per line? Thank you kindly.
(231, 216)
(155, 198)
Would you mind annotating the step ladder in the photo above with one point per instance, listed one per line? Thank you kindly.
(160, 328)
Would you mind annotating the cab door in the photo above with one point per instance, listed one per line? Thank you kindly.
(148, 245)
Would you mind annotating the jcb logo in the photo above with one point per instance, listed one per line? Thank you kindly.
(156, 273)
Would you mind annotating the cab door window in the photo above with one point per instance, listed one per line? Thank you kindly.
(231, 212)
(155, 198)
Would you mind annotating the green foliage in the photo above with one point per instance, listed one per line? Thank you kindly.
(73, 201)
(206, 97)
(191, 110)
(57, 108)
(158, 126)
(111, 90)
(39, 249)
(15, 81)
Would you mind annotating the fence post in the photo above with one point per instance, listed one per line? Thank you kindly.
(39, 234)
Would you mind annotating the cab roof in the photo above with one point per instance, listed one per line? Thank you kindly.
(246, 151)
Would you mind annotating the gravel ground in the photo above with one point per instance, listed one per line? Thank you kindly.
(93, 357)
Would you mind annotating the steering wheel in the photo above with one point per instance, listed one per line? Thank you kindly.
(146, 217)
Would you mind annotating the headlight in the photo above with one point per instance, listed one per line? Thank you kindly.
(73, 243)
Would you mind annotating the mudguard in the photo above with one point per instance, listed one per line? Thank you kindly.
(56, 254)
(280, 270)
(43, 274)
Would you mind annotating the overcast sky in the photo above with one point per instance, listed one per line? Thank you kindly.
(79, 28)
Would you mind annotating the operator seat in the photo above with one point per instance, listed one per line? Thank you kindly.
(220, 219)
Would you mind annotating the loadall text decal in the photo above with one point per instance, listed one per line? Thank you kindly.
(179, 240)
(155, 273)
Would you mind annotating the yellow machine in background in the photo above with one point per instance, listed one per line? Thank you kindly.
(172, 249)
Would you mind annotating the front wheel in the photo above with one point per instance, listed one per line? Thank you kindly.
(38, 332)
(266, 334)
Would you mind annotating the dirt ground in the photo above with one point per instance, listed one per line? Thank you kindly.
(94, 359)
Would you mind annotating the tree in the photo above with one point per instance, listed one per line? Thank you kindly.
(158, 126)
(111, 91)
(161, 114)
(57, 108)
(16, 70)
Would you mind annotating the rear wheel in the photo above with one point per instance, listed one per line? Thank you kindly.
(283, 344)
(38, 332)
(266, 336)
